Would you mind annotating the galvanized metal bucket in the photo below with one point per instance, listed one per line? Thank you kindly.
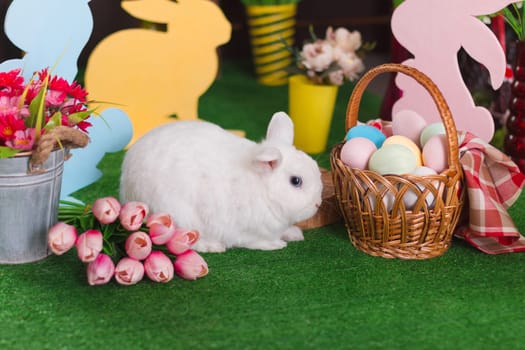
(28, 206)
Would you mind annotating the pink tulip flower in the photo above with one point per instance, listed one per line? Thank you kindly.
(132, 215)
(89, 245)
(158, 267)
(138, 245)
(106, 210)
(190, 265)
(182, 241)
(100, 270)
(161, 228)
(61, 237)
(129, 271)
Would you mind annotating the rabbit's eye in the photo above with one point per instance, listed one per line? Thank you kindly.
(296, 181)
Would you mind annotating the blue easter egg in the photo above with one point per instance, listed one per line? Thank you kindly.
(366, 131)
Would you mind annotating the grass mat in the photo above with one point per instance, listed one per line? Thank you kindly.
(318, 294)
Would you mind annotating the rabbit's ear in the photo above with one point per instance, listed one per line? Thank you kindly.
(479, 8)
(280, 129)
(267, 158)
(484, 48)
(158, 11)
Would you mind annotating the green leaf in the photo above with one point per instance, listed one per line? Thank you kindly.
(6, 152)
(397, 3)
(86, 222)
(36, 109)
(40, 116)
(312, 32)
(54, 121)
(522, 18)
(77, 117)
(514, 17)
(72, 204)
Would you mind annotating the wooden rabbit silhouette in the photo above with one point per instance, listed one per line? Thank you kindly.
(59, 30)
(434, 31)
(154, 74)
(52, 33)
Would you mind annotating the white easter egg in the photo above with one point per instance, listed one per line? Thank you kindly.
(410, 197)
(435, 153)
(387, 199)
(409, 124)
(393, 159)
(357, 151)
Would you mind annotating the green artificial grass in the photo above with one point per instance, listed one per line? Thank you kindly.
(318, 294)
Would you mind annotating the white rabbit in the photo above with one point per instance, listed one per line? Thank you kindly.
(235, 192)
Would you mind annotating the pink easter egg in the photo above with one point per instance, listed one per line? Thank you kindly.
(357, 151)
(435, 153)
(409, 124)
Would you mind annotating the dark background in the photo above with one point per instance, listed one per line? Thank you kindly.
(370, 17)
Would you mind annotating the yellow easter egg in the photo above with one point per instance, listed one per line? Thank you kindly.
(405, 141)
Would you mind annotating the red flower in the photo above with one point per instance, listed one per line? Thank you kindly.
(18, 119)
(83, 125)
(77, 92)
(58, 84)
(11, 83)
(22, 140)
(73, 90)
(9, 124)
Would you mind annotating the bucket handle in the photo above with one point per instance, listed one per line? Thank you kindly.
(61, 135)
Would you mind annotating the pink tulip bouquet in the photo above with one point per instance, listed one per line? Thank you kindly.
(332, 60)
(28, 111)
(126, 242)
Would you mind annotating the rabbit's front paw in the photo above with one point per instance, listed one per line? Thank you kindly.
(209, 247)
(266, 245)
(293, 233)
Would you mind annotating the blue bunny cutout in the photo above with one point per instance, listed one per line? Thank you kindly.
(59, 30)
(80, 170)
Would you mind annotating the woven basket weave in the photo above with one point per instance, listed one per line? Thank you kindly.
(377, 220)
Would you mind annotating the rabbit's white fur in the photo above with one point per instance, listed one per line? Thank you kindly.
(235, 192)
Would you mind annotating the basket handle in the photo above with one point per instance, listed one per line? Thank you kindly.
(68, 138)
(352, 109)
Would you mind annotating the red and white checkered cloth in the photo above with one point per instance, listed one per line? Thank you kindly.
(493, 182)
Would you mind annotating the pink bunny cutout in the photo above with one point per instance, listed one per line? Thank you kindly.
(154, 74)
(434, 31)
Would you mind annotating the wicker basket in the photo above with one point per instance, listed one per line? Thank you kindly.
(377, 219)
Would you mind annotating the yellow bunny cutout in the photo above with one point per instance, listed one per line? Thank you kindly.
(155, 74)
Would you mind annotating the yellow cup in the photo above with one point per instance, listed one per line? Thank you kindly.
(311, 108)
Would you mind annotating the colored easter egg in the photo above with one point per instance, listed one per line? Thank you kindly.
(357, 151)
(435, 153)
(431, 130)
(366, 131)
(410, 197)
(405, 141)
(393, 159)
(408, 123)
